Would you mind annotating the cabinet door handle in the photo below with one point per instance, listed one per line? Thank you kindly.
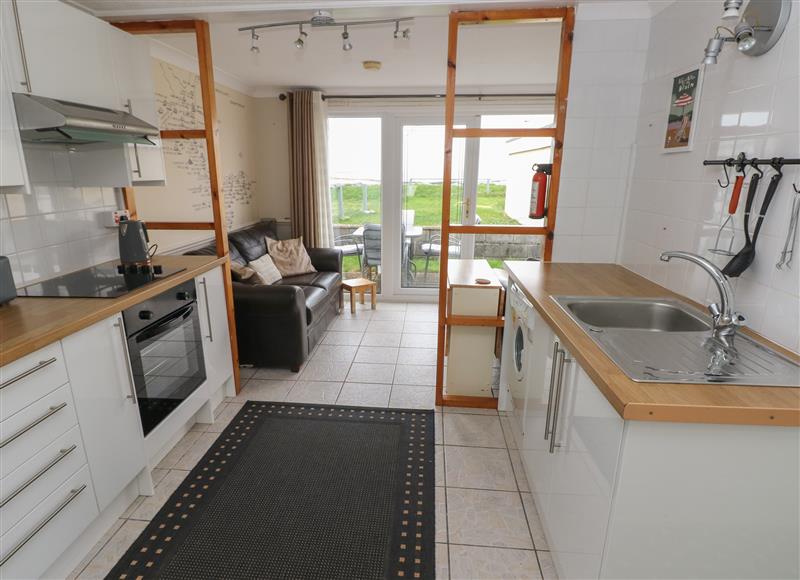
(562, 359)
(27, 82)
(22, 375)
(131, 383)
(50, 412)
(72, 495)
(208, 310)
(61, 455)
(138, 170)
(553, 371)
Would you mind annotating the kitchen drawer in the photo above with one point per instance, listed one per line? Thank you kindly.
(36, 542)
(26, 433)
(38, 477)
(30, 378)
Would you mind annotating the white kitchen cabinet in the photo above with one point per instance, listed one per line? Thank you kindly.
(214, 322)
(105, 400)
(136, 94)
(67, 53)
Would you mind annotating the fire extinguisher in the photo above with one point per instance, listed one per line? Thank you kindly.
(539, 190)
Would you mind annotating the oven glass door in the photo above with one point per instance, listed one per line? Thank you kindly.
(167, 363)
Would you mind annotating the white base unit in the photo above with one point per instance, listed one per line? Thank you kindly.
(214, 325)
(637, 499)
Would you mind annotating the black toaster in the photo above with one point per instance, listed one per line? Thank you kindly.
(7, 289)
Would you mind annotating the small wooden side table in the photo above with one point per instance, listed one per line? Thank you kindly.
(357, 286)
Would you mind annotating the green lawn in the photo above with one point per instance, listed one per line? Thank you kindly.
(426, 202)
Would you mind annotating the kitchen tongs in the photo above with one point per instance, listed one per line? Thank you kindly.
(741, 261)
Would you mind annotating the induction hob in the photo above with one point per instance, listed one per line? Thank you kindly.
(107, 280)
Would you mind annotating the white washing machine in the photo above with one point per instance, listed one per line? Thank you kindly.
(517, 336)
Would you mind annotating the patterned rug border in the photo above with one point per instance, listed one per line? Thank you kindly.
(412, 554)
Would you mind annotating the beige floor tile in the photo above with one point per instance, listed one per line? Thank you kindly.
(519, 470)
(547, 566)
(505, 423)
(381, 339)
(377, 354)
(275, 374)
(344, 338)
(401, 306)
(418, 327)
(441, 515)
(422, 315)
(442, 562)
(469, 411)
(363, 312)
(225, 418)
(324, 370)
(383, 314)
(151, 504)
(417, 356)
(412, 397)
(422, 375)
(486, 518)
(438, 437)
(96, 549)
(364, 395)
(196, 451)
(371, 373)
(158, 474)
(534, 523)
(247, 372)
(134, 505)
(439, 464)
(384, 326)
(315, 392)
(181, 447)
(473, 430)
(418, 341)
(349, 325)
(335, 352)
(479, 468)
(113, 550)
(265, 390)
(477, 563)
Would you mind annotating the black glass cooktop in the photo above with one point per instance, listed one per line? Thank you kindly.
(107, 280)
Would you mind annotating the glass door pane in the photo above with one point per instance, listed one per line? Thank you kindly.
(421, 217)
(354, 170)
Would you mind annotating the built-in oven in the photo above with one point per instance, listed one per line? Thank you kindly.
(166, 351)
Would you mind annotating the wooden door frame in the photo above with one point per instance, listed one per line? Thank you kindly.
(567, 17)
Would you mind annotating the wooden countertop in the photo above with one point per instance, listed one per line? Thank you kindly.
(28, 324)
(684, 403)
(464, 273)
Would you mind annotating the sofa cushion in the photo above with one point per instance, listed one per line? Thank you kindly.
(328, 281)
(252, 242)
(266, 269)
(290, 256)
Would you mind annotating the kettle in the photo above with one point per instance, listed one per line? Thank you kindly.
(133, 242)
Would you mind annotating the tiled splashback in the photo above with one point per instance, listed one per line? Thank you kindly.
(747, 104)
(56, 230)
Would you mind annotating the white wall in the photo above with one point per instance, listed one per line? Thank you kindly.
(747, 104)
(272, 169)
(608, 63)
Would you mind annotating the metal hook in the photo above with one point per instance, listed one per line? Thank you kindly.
(777, 163)
(795, 188)
(754, 164)
(727, 178)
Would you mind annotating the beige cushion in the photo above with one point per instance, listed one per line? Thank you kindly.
(290, 256)
(245, 274)
(265, 268)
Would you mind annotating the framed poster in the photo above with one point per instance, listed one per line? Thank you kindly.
(682, 112)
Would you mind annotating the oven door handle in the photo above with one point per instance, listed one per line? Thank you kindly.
(173, 320)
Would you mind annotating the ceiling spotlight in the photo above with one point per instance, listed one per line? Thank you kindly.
(745, 37)
(300, 42)
(713, 49)
(346, 40)
(253, 46)
(730, 10)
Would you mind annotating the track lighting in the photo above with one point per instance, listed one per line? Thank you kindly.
(253, 46)
(713, 49)
(406, 33)
(745, 37)
(730, 10)
(346, 45)
(300, 42)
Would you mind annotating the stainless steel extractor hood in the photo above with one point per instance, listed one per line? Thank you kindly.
(46, 120)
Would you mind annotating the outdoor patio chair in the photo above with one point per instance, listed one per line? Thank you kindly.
(372, 252)
(433, 249)
(350, 246)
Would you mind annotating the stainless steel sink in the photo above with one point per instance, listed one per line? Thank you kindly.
(655, 315)
(665, 340)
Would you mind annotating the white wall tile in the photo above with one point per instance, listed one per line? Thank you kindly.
(7, 245)
(27, 233)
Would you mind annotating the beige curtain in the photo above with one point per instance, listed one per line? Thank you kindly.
(308, 145)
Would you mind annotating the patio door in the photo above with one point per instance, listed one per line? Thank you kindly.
(419, 211)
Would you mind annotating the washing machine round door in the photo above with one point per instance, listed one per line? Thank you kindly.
(519, 351)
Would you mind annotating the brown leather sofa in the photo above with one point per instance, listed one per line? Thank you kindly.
(279, 324)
